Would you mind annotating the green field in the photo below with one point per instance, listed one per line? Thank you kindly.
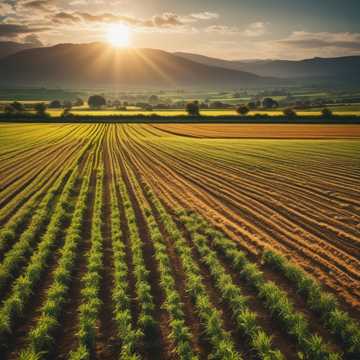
(132, 242)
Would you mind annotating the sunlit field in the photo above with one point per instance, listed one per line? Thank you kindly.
(179, 242)
(232, 112)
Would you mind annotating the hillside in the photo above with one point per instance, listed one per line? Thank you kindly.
(99, 65)
(340, 67)
(9, 48)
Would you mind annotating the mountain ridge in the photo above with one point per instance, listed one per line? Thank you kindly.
(335, 67)
(99, 64)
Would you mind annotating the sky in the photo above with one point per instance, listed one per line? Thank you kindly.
(230, 29)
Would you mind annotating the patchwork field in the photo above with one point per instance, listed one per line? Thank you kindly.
(179, 241)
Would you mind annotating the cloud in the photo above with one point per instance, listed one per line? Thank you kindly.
(167, 20)
(14, 30)
(222, 29)
(255, 29)
(33, 40)
(206, 15)
(308, 40)
(65, 18)
(39, 5)
(161, 21)
(6, 9)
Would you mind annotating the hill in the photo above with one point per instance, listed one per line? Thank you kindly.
(346, 68)
(9, 48)
(99, 65)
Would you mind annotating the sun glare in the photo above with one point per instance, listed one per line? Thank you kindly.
(118, 35)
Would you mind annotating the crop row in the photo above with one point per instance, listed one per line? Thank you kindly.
(179, 331)
(274, 299)
(14, 305)
(40, 337)
(24, 246)
(9, 232)
(89, 308)
(120, 293)
(222, 344)
(321, 302)
(245, 319)
(145, 322)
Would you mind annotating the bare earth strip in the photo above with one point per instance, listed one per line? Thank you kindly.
(260, 131)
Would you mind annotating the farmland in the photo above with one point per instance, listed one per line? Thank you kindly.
(179, 241)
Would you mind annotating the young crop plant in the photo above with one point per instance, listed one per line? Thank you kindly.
(146, 321)
(14, 305)
(129, 336)
(16, 257)
(274, 299)
(90, 306)
(222, 344)
(40, 337)
(245, 319)
(180, 333)
(325, 304)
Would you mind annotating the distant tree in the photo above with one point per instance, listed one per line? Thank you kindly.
(236, 95)
(269, 103)
(40, 109)
(17, 106)
(153, 99)
(9, 109)
(252, 105)
(79, 102)
(67, 104)
(242, 110)
(288, 112)
(193, 108)
(55, 104)
(66, 112)
(148, 107)
(117, 104)
(96, 101)
(326, 112)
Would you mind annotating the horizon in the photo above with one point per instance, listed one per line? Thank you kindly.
(233, 30)
(105, 43)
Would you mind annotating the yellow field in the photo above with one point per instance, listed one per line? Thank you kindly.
(270, 131)
(57, 112)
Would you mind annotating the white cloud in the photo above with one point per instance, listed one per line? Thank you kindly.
(255, 29)
(222, 29)
(309, 40)
(206, 15)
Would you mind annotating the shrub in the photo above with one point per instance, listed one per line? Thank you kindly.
(242, 110)
(288, 112)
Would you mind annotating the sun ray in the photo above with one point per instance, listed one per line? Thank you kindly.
(118, 35)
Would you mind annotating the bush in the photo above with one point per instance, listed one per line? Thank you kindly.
(96, 101)
(326, 112)
(288, 112)
(55, 104)
(17, 106)
(193, 108)
(242, 110)
(40, 109)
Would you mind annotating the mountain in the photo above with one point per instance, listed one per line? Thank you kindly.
(9, 48)
(345, 68)
(99, 65)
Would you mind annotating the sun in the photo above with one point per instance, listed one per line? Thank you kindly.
(118, 35)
